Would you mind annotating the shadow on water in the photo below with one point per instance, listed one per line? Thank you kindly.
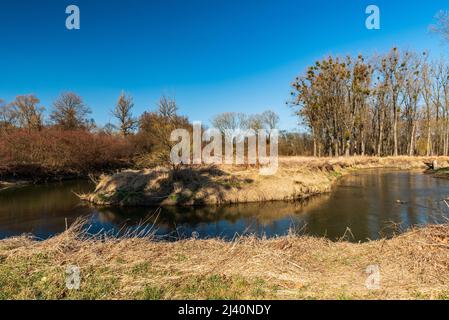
(372, 203)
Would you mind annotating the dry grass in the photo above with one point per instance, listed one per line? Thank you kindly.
(297, 178)
(413, 266)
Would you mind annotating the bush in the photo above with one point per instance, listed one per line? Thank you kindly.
(52, 151)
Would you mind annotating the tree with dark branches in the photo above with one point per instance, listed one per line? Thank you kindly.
(70, 112)
(123, 113)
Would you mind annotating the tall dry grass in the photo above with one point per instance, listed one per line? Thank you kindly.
(412, 266)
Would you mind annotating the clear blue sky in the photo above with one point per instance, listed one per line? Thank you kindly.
(212, 55)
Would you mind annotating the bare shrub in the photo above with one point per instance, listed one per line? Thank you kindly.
(53, 151)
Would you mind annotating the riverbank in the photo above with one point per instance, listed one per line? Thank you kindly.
(442, 173)
(12, 184)
(411, 267)
(297, 178)
(12, 176)
(10, 181)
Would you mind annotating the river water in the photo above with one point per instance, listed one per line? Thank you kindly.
(366, 205)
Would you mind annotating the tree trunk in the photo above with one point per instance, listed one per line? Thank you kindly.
(362, 146)
(348, 148)
(428, 147)
(381, 138)
(395, 132)
(412, 141)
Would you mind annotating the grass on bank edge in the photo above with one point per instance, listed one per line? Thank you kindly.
(413, 266)
(37, 270)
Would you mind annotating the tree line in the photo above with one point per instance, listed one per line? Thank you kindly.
(69, 112)
(68, 141)
(384, 105)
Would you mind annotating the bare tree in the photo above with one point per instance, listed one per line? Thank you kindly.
(156, 127)
(123, 113)
(109, 129)
(440, 85)
(225, 121)
(167, 107)
(29, 114)
(270, 119)
(70, 112)
(255, 122)
(228, 122)
(426, 75)
(396, 73)
(442, 24)
(8, 116)
(437, 102)
(396, 104)
(445, 105)
(412, 91)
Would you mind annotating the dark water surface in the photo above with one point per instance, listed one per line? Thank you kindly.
(373, 204)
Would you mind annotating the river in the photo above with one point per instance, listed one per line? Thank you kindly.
(369, 204)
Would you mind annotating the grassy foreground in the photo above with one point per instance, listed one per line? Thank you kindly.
(412, 266)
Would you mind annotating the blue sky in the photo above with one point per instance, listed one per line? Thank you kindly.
(212, 55)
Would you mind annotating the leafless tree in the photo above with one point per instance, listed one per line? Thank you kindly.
(29, 114)
(8, 116)
(167, 107)
(270, 119)
(442, 24)
(156, 127)
(228, 122)
(396, 104)
(70, 112)
(123, 113)
(426, 93)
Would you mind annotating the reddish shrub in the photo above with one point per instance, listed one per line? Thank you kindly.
(54, 152)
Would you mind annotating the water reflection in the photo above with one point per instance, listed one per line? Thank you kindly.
(41, 210)
(372, 204)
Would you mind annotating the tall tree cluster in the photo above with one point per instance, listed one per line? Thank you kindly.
(385, 105)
